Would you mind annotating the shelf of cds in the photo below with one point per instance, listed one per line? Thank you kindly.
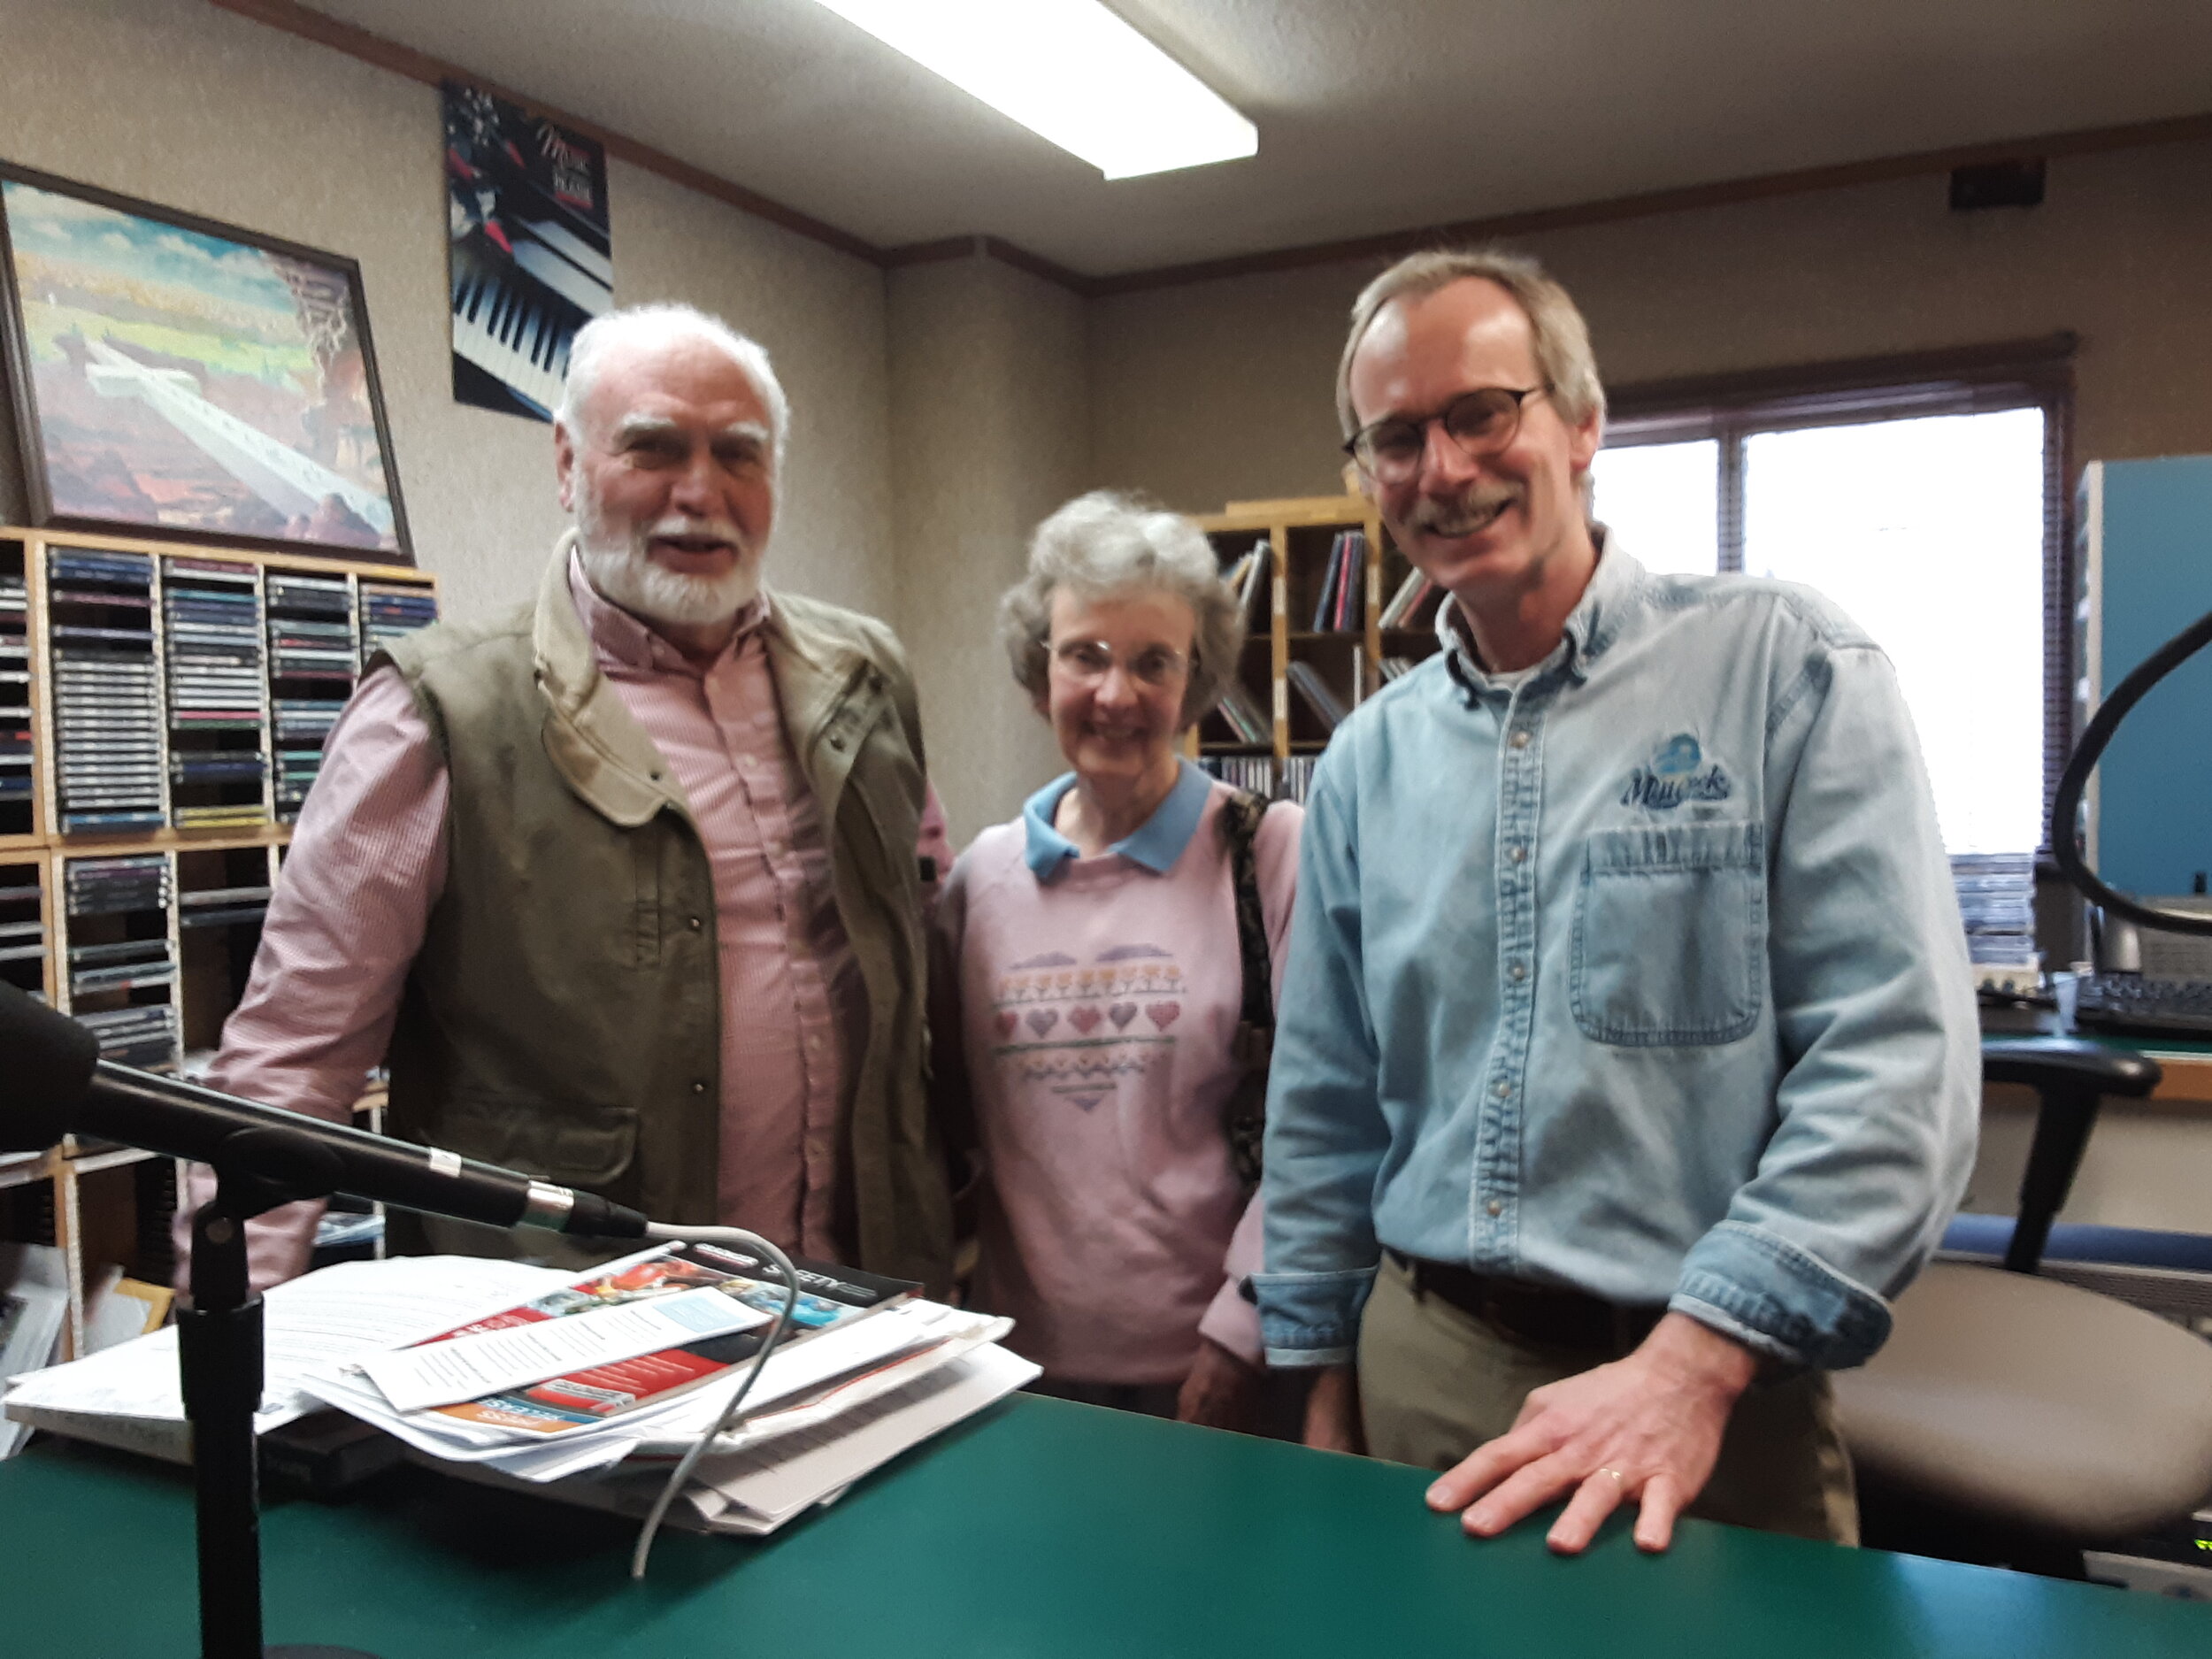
(1332, 610)
(152, 690)
(163, 711)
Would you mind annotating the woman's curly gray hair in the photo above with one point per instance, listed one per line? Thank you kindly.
(1109, 545)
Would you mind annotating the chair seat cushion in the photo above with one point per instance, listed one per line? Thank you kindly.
(2036, 1405)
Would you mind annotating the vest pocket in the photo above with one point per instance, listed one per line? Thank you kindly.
(568, 1142)
(1670, 934)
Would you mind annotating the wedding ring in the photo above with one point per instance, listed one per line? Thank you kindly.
(1620, 1479)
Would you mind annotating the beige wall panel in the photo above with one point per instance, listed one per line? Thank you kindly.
(193, 108)
(990, 432)
(1222, 390)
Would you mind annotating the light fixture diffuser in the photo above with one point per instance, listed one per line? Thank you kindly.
(1071, 71)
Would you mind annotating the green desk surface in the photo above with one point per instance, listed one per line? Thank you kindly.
(1039, 1529)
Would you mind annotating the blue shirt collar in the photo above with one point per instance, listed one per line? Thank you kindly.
(1591, 625)
(1156, 844)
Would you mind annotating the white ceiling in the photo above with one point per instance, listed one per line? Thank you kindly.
(1373, 117)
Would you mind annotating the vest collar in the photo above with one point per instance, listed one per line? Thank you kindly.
(830, 693)
(591, 737)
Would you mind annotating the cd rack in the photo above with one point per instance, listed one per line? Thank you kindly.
(147, 687)
(120, 954)
(107, 690)
(314, 653)
(19, 771)
(218, 768)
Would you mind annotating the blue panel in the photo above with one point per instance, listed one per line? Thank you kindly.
(2154, 823)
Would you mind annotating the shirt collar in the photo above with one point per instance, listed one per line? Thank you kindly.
(1156, 844)
(1591, 624)
(620, 639)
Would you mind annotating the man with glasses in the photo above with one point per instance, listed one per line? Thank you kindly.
(1627, 1061)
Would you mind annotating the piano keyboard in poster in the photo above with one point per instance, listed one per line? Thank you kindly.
(530, 265)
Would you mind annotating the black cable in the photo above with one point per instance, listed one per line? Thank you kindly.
(2066, 809)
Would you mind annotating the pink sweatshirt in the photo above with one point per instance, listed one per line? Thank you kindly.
(1098, 998)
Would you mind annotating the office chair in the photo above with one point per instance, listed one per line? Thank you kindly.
(2013, 1420)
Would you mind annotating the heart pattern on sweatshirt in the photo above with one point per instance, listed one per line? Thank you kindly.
(1121, 1014)
(1085, 1019)
(1044, 1019)
(1005, 1021)
(1161, 1014)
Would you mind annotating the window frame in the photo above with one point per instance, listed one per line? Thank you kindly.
(2036, 373)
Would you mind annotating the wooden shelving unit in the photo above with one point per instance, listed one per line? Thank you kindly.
(1302, 535)
(174, 925)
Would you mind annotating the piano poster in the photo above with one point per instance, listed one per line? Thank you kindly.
(183, 378)
(527, 204)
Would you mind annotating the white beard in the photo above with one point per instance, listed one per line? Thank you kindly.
(623, 572)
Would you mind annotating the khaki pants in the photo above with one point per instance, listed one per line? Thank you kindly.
(1436, 1382)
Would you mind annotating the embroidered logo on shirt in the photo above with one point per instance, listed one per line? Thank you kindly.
(1678, 772)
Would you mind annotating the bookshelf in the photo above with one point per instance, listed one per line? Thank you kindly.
(161, 714)
(1326, 554)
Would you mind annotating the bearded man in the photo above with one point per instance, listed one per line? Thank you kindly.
(628, 883)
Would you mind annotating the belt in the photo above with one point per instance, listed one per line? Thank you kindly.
(1549, 1315)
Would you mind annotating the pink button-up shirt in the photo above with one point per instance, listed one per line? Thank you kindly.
(368, 864)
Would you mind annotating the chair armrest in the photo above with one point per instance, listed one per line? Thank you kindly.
(2070, 1076)
(2044, 1062)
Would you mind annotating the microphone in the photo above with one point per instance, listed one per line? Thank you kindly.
(54, 1083)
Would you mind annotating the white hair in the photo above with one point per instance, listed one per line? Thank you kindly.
(635, 324)
(1109, 544)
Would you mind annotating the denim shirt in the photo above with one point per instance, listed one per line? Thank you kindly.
(1643, 976)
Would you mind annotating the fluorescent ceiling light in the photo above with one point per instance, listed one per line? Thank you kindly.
(1070, 71)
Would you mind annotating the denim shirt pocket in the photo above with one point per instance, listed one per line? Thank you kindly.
(1670, 934)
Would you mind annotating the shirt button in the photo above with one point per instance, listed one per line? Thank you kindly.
(1519, 740)
(698, 1088)
(1493, 1208)
(1503, 1089)
(1517, 970)
(1517, 852)
(696, 923)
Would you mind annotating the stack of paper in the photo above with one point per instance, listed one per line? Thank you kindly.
(128, 1396)
(586, 1388)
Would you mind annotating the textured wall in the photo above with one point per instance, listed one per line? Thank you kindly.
(990, 432)
(1221, 390)
(179, 103)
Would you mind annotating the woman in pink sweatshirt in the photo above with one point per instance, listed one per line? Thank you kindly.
(1092, 984)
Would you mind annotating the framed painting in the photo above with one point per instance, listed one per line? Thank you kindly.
(181, 379)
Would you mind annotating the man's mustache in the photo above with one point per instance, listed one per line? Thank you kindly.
(675, 527)
(1469, 511)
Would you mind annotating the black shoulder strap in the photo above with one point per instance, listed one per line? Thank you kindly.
(1247, 1124)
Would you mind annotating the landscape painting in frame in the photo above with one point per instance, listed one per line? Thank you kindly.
(177, 378)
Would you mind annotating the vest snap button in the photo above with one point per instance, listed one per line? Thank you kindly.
(696, 923)
(698, 1088)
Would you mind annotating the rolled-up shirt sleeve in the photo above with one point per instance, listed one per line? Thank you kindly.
(367, 862)
(1878, 1111)
(1326, 1136)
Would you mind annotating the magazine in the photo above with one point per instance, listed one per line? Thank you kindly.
(591, 1395)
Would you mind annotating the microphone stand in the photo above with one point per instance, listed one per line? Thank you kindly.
(220, 1357)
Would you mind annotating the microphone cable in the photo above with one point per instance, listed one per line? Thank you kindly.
(2066, 805)
(662, 1233)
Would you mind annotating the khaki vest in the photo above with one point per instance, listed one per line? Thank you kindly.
(563, 1015)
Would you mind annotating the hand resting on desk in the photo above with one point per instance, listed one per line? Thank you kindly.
(1646, 1427)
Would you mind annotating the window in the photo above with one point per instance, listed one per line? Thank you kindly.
(1928, 508)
